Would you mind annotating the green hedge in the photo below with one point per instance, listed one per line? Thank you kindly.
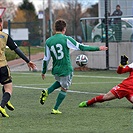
(11, 55)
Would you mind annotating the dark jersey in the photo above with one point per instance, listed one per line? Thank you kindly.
(117, 13)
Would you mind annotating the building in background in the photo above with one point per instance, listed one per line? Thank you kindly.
(126, 6)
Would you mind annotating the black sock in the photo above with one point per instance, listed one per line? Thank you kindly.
(5, 99)
(3, 90)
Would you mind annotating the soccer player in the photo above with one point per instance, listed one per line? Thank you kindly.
(58, 47)
(5, 76)
(124, 89)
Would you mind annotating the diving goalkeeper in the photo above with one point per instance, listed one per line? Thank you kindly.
(124, 89)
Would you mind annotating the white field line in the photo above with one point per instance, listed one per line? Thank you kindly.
(72, 83)
(78, 76)
(71, 91)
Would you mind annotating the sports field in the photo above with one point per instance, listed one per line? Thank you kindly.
(30, 116)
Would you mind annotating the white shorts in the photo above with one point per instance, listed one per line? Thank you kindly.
(65, 81)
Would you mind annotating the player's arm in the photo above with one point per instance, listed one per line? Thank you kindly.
(72, 44)
(13, 46)
(45, 61)
(122, 68)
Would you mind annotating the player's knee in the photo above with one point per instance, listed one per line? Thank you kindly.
(131, 99)
(108, 96)
(105, 97)
(64, 89)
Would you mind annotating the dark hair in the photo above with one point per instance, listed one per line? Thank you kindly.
(60, 24)
(118, 6)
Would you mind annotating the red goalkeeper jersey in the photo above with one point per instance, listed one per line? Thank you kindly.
(128, 82)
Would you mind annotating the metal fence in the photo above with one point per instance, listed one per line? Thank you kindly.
(35, 34)
(118, 39)
(120, 29)
(93, 32)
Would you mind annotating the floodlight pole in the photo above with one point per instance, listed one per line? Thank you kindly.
(106, 31)
(44, 28)
(9, 27)
(50, 18)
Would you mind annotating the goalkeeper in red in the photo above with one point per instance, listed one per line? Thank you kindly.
(58, 47)
(124, 89)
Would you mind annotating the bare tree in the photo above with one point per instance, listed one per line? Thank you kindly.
(10, 9)
(71, 12)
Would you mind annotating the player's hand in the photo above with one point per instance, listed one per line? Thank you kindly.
(43, 76)
(103, 48)
(32, 65)
(124, 60)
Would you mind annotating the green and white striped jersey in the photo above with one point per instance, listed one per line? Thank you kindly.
(58, 47)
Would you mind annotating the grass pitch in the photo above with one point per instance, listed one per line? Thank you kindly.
(30, 116)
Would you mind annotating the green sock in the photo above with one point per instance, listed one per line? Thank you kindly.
(60, 98)
(53, 87)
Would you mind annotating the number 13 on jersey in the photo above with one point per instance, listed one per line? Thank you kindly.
(57, 51)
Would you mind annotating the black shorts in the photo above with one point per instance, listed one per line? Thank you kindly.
(5, 76)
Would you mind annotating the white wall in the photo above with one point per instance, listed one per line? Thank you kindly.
(97, 60)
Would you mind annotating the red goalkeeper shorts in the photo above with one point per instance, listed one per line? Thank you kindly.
(121, 92)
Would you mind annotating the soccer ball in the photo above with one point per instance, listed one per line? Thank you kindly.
(81, 60)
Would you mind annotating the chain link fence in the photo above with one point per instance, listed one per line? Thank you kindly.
(33, 33)
(94, 29)
(120, 40)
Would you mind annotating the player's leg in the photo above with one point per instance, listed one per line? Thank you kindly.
(101, 98)
(115, 92)
(56, 85)
(65, 83)
(7, 83)
(45, 93)
(8, 105)
(130, 98)
(61, 96)
(7, 94)
(5, 99)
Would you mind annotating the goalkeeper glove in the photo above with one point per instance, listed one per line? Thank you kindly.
(124, 60)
